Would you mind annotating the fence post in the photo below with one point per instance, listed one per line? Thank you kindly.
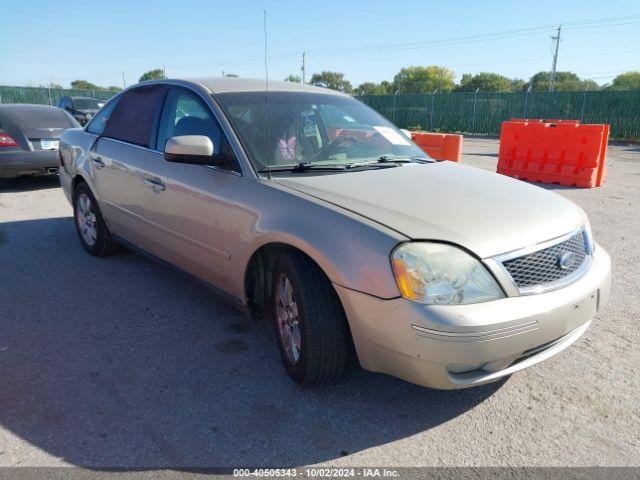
(433, 97)
(526, 102)
(395, 117)
(584, 99)
(473, 120)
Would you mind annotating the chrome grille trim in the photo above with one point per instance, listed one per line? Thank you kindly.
(584, 251)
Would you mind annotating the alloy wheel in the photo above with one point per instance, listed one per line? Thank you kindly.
(86, 218)
(287, 319)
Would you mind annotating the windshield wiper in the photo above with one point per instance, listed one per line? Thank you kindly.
(385, 161)
(388, 159)
(303, 167)
(375, 164)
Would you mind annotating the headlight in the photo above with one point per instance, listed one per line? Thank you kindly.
(588, 238)
(440, 274)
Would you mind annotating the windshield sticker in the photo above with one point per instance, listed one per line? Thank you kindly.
(391, 135)
(287, 149)
(348, 118)
(309, 127)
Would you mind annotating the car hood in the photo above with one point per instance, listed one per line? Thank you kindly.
(487, 213)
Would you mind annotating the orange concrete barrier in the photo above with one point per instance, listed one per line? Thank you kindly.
(548, 120)
(566, 153)
(440, 146)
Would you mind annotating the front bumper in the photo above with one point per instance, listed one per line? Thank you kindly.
(426, 344)
(22, 162)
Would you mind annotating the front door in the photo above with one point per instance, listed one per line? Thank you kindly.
(193, 220)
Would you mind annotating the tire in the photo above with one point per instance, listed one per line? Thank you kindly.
(90, 226)
(325, 347)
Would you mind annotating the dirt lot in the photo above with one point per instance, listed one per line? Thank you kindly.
(124, 362)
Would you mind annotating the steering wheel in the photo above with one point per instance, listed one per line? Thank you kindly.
(337, 145)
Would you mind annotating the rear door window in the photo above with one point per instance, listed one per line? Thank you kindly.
(132, 120)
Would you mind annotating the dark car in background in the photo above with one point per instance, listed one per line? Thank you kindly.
(29, 138)
(81, 108)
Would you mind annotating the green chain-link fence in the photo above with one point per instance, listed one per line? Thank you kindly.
(483, 113)
(45, 96)
(471, 112)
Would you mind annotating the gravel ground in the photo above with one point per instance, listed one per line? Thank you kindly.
(124, 362)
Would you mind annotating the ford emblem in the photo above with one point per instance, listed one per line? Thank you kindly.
(566, 260)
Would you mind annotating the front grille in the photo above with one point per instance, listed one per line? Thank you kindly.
(544, 266)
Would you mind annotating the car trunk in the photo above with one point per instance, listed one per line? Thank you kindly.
(41, 123)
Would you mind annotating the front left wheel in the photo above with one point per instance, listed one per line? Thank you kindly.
(92, 230)
(311, 326)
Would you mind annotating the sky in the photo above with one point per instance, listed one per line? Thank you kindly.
(367, 40)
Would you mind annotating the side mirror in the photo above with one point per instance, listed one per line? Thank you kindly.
(191, 149)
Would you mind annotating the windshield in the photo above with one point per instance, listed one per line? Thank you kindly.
(312, 128)
(87, 103)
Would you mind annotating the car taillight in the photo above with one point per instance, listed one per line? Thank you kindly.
(7, 141)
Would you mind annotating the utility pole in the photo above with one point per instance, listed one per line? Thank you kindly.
(124, 83)
(164, 71)
(304, 68)
(552, 77)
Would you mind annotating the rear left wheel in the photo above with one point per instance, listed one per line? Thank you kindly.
(92, 230)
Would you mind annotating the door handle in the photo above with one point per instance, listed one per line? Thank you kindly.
(155, 184)
(98, 161)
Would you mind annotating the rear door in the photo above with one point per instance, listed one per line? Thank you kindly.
(121, 160)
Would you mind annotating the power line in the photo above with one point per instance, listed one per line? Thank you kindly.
(451, 41)
(505, 34)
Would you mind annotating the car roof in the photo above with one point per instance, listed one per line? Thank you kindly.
(83, 98)
(235, 84)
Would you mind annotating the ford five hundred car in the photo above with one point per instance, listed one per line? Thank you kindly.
(312, 210)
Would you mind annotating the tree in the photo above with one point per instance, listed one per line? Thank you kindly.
(113, 88)
(518, 85)
(424, 79)
(157, 74)
(626, 81)
(293, 78)
(370, 88)
(565, 82)
(332, 80)
(485, 81)
(84, 85)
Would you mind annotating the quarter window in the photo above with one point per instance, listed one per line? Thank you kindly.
(100, 119)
